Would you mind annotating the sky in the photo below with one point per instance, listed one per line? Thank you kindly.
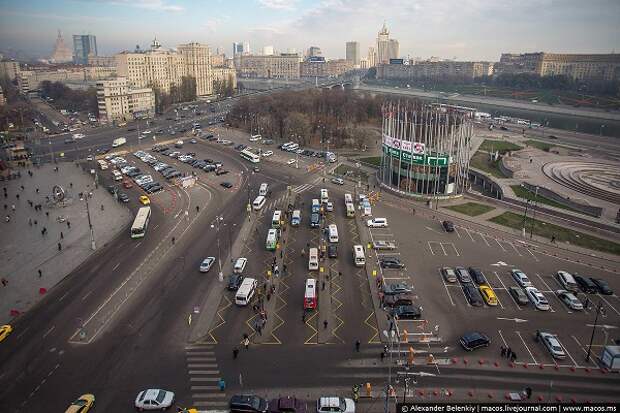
(453, 29)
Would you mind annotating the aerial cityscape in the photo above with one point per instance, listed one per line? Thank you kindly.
(295, 206)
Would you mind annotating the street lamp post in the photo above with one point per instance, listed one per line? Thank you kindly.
(219, 251)
(390, 337)
(599, 310)
(90, 225)
(527, 204)
(533, 213)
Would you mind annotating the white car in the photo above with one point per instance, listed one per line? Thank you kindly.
(329, 206)
(90, 158)
(146, 132)
(338, 181)
(377, 223)
(537, 298)
(335, 405)
(552, 343)
(567, 280)
(154, 399)
(267, 153)
(384, 245)
(290, 161)
(206, 264)
(78, 135)
(521, 278)
(570, 300)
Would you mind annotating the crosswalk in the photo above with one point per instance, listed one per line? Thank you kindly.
(204, 378)
(302, 188)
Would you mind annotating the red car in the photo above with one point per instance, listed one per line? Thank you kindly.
(127, 183)
(287, 405)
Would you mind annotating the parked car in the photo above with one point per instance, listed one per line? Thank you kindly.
(463, 275)
(520, 277)
(570, 300)
(537, 298)
(332, 251)
(448, 274)
(377, 223)
(519, 295)
(391, 262)
(474, 340)
(206, 264)
(586, 284)
(335, 405)
(477, 276)
(83, 404)
(226, 185)
(473, 295)
(154, 399)
(384, 245)
(123, 197)
(338, 181)
(602, 286)
(221, 172)
(448, 226)
(552, 343)
(567, 280)
(488, 295)
(234, 281)
(398, 300)
(248, 404)
(399, 288)
(406, 312)
(287, 405)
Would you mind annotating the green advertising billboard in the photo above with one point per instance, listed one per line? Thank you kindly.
(418, 159)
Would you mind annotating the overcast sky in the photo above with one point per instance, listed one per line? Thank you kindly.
(461, 29)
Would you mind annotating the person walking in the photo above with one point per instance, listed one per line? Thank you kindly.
(503, 351)
(59, 246)
(357, 345)
(553, 239)
(62, 236)
(382, 355)
(246, 343)
(325, 324)
(30, 221)
(235, 352)
(5, 282)
(40, 273)
(68, 224)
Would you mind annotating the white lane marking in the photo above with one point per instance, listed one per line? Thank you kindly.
(116, 266)
(515, 248)
(584, 350)
(23, 332)
(485, 240)
(430, 248)
(502, 337)
(609, 304)
(63, 296)
(49, 331)
(443, 249)
(569, 355)
(526, 347)
(87, 294)
(457, 232)
(455, 250)
(468, 233)
(137, 245)
(500, 244)
(532, 254)
(504, 285)
(446, 287)
(544, 282)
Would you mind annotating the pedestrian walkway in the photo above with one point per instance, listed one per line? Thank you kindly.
(42, 240)
(205, 378)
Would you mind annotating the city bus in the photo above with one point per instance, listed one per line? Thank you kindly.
(250, 156)
(316, 206)
(141, 222)
(313, 259)
(350, 210)
(272, 239)
(358, 256)
(333, 233)
(324, 196)
(310, 298)
(348, 199)
(258, 203)
(275, 221)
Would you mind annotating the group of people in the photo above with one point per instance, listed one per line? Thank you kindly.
(507, 352)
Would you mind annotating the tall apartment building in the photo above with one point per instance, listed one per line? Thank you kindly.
(575, 66)
(386, 48)
(117, 101)
(84, 45)
(227, 74)
(353, 53)
(9, 69)
(315, 66)
(2, 98)
(372, 57)
(281, 66)
(218, 59)
(433, 70)
(241, 48)
(198, 63)
(109, 61)
(61, 53)
(313, 51)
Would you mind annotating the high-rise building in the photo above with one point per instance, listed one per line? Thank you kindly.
(117, 101)
(61, 53)
(242, 48)
(84, 45)
(353, 53)
(268, 50)
(9, 69)
(372, 57)
(198, 62)
(2, 98)
(313, 51)
(386, 48)
(109, 61)
(281, 66)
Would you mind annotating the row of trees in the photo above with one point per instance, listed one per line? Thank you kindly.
(528, 81)
(311, 117)
(70, 99)
(17, 110)
(186, 92)
(224, 87)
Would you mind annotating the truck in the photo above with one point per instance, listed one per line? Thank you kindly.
(118, 142)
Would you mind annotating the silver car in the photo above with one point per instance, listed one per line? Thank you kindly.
(384, 245)
(570, 300)
(521, 278)
(552, 343)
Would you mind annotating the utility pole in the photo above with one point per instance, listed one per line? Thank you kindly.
(219, 251)
(533, 213)
(90, 225)
(599, 310)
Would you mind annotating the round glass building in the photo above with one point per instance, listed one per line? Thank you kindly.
(425, 149)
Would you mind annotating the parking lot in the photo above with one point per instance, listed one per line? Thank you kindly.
(425, 247)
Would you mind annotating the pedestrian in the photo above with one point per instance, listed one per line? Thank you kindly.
(36, 222)
(357, 345)
(325, 324)
(62, 235)
(503, 351)
(40, 273)
(59, 246)
(259, 328)
(36, 190)
(47, 214)
(303, 317)
(22, 187)
(68, 224)
(30, 203)
(284, 268)
(30, 221)
(323, 285)
(513, 356)
(17, 196)
(553, 239)
(508, 352)
(13, 207)
(382, 355)
(235, 352)
(102, 207)
(42, 232)
(246, 343)
(4, 282)
(70, 184)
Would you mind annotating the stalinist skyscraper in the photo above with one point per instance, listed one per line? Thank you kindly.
(386, 48)
(61, 53)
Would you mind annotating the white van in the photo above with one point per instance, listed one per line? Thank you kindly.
(358, 256)
(246, 291)
(296, 218)
(377, 223)
(263, 189)
(313, 259)
(277, 217)
(117, 175)
(258, 203)
(333, 233)
(240, 265)
(324, 196)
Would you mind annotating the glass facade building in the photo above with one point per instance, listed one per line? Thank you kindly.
(83, 46)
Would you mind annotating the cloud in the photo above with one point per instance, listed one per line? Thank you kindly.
(278, 4)
(154, 5)
(213, 24)
(266, 30)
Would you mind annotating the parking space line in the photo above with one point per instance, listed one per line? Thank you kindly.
(430, 248)
(454, 247)
(502, 337)
(515, 248)
(468, 233)
(569, 355)
(387, 254)
(443, 249)
(526, 347)
(457, 232)
(545, 284)
(395, 278)
(485, 240)
(446, 287)
(584, 350)
(532, 254)
(506, 289)
(500, 244)
(609, 304)
(466, 300)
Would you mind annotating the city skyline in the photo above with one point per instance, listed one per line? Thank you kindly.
(480, 31)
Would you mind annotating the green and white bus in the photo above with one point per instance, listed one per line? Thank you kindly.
(141, 222)
(250, 156)
(275, 221)
(272, 239)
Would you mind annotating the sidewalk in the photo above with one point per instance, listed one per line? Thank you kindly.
(37, 248)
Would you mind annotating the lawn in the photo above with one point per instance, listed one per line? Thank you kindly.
(372, 160)
(473, 209)
(481, 161)
(351, 173)
(547, 230)
(502, 146)
(523, 193)
(544, 146)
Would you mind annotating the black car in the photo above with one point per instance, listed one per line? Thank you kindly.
(150, 185)
(226, 184)
(391, 262)
(123, 197)
(407, 312)
(154, 188)
(221, 172)
(602, 286)
(287, 405)
(332, 251)
(234, 281)
(519, 295)
(131, 129)
(399, 288)
(448, 226)
(473, 295)
(477, 276)
(586, 284)
(112, 189)
(248, 404)
(474, 340)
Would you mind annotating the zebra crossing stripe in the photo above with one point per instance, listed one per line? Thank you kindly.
(202, 366)
(214, 379)
(209, 396)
